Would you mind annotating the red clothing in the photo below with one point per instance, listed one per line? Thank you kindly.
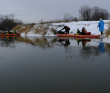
(66, 29)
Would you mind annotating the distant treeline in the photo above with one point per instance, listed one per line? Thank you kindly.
(7, 22)
(93, 14)
(86, 14)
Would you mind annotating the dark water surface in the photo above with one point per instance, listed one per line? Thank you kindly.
(54, 65)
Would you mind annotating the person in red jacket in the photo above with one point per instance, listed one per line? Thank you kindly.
(67, 29)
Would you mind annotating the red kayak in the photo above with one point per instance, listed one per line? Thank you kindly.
(9, 35)
(78, 36)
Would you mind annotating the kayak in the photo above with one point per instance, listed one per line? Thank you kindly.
(10, 34)
(78, 36)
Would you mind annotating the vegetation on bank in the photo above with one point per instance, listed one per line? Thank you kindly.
(107, 32)
(40, 29)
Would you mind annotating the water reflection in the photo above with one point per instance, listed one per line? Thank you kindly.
(88, 48)
(42, 42)
(49, 42)
(107, 47)
(67, 65)
(101, 47)
(64, 42)
(84, 41)
(7, 41)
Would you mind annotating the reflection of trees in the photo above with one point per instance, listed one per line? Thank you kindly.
(89, 51)
(107, 46)
(42, 42)
(7, 41)
(49, 42)
(65, 42)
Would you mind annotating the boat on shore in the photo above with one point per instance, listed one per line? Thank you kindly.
(78, 36)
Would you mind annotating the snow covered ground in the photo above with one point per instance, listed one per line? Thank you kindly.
(91, 26)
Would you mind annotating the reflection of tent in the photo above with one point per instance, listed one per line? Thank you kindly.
(101, 47)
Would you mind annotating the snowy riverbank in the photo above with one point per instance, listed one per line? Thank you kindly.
(91, 26)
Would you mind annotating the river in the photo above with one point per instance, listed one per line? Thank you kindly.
(54, 65)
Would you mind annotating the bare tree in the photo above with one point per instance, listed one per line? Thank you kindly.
(85, 13)
(68, 17)
(94, 13)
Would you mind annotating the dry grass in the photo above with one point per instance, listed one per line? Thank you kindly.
(107, 32)
(21, 28)
(25, 29)
(38, 28)
(53, 30)
(17, 27)
(41, 29)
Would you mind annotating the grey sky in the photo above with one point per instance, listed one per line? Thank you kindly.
(35, 10)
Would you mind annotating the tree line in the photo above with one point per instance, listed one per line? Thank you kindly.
(86, 14)
(7, 22)
(93, 14)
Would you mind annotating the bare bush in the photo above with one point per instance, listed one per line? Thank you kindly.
(69, 18)
(53, 30)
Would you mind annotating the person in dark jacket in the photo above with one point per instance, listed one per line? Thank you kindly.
(67, 29)
(78, 32)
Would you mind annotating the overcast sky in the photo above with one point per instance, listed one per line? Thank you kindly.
(36, 10)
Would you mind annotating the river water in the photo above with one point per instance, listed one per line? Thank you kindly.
(54, 65)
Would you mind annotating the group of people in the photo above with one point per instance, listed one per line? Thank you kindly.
(84, 32)
(10, 32)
